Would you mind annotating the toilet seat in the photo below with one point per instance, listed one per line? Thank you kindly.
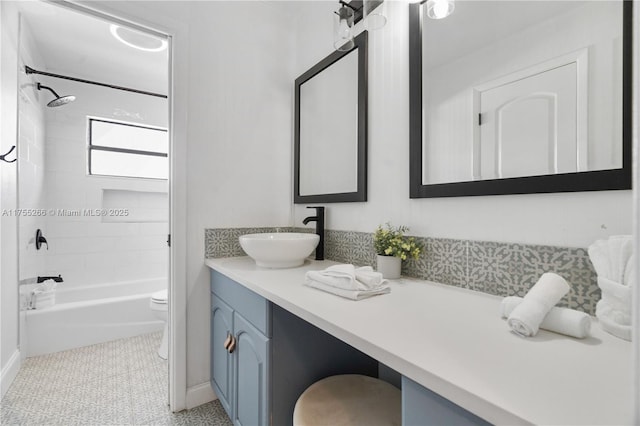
(159, 305)
(160, 297)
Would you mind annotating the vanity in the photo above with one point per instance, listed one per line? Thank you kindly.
(447, 348)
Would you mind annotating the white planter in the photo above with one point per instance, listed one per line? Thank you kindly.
(389, 266)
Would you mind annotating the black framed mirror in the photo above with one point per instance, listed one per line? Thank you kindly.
(330, 134)
(481, 94)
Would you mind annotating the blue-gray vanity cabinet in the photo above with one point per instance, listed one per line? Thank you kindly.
(420, 406)
(250, 375)
(276, 355)
(221, 365)
(240, 343)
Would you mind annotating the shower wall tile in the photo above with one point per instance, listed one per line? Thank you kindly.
(497, 268)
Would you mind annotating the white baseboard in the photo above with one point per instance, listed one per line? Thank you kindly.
(199, 394)
(9, 372)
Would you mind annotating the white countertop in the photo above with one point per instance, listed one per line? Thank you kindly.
(454, 342)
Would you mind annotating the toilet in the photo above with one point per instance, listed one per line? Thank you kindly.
(159, 305)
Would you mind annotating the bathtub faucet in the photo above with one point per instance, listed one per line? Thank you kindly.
(57, 279)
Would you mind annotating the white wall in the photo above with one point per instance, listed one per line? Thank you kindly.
(563, 219)
(9, 354)
(240, 127)
(235, 88)
(88, 249)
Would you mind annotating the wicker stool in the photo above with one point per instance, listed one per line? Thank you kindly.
(349, 399)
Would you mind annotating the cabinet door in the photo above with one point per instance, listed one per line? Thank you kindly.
(221, 359)
(251, 371)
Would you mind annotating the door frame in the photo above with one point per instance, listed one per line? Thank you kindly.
(133, 15)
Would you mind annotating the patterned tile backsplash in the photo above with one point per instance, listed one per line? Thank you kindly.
(502, 269)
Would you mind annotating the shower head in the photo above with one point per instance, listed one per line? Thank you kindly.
(59, 100)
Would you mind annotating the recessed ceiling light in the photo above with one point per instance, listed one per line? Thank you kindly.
(138, 40)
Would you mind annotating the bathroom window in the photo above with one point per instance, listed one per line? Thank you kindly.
(127, 150)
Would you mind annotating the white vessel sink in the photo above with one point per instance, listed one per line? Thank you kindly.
(279, 249)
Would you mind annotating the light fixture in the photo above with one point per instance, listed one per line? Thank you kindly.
(373, 20)
(342, 25)
(438, 9)
(137, 39)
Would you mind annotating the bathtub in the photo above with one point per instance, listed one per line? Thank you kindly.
(93, 314)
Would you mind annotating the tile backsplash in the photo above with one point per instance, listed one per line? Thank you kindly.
(502, 269)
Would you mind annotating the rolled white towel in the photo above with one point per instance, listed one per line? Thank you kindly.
(526, 318)
(559, 320)
(348, 294)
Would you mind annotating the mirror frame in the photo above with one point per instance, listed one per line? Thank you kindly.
(360, 44)
(597, 180)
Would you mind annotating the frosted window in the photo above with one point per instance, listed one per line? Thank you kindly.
(127, 150)
(117, 135)
(128, 165)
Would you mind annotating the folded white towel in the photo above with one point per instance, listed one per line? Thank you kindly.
(348, 294)
(559, 320)
(348, 277)
(44, 295)
(526, 318)
(348, 281)
(614, 262)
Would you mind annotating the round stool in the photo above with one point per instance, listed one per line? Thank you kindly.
(349, 399)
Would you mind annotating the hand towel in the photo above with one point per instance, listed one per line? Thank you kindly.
(348, 281)
(526, 318)
(348, 294)
(347, 277)
(559, 320)
(44, 295)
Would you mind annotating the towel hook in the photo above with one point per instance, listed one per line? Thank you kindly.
(2, 157)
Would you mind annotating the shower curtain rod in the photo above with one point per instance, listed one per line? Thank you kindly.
(30, 70)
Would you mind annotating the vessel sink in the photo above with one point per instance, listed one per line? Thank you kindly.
(279, 249)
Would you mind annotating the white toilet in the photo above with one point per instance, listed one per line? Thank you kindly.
(159, 304)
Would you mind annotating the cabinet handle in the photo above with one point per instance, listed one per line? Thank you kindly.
(232, 345)
(227, 342)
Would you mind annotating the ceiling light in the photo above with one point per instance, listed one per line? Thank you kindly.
(137, 39)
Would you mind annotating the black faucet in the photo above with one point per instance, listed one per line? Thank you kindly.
(57, 279)
(319, 220)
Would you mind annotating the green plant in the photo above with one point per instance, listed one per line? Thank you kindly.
(390, 241)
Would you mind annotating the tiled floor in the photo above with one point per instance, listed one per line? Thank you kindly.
(123, 382)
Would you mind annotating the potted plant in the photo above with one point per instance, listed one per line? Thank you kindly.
(392, 247)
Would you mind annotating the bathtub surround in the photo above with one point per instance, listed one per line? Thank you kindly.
(93, 249)
(502, 269)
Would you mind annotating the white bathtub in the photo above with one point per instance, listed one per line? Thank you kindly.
(88, 315)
